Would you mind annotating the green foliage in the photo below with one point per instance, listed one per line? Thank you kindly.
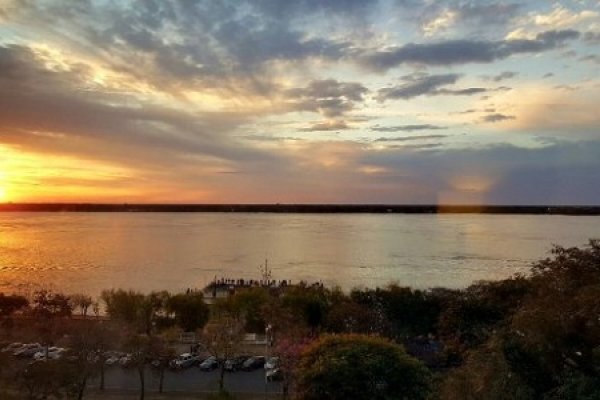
(472, 315)
(248, 304)
(136, 309)
(191, 313)
(310, 303)
(123, 305)
(360, 367)
(545, 341)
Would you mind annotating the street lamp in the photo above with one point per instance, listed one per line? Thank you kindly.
(268, 328)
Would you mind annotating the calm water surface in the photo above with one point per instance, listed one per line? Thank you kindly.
(147, 251)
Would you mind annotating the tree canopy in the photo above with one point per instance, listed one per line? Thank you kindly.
(360, 367)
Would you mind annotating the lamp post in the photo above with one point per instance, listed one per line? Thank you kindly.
(268, 328)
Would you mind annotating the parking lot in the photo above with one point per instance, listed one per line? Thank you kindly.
(188, 377)
(190, 380)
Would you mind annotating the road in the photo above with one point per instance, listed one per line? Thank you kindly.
(190, 380)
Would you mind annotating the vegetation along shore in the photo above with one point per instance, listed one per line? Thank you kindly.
(526, 337)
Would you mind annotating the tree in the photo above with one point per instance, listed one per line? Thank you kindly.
(161, 353)
(191, 313)
(88, 340)
(123, 305)
(134, 308)
(247, 304)
(82, 302)
(139, 346)
(545, 341)
(310, 303)
(360, 367)
(222, 338)
(48, 304)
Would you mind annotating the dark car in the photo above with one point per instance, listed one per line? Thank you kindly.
(253, 363)
(209, 364)
(235, 363)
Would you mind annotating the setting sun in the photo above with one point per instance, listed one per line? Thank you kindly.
(2, 194)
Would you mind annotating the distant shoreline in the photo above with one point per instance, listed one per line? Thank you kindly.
(304, 208)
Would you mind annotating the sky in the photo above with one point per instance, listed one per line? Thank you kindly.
(304, 101)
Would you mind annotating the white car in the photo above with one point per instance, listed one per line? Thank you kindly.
(113, 358)
(184, 360)
(272, 363)
(126, 360)
(12, 347)
(54, 353)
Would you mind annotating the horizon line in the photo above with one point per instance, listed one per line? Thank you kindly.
(303, 208)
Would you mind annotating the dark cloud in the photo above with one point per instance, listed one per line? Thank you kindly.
(417, 85)
(592, 58)
(327, 126)
(497, 117)
(268, 138)
(462, 92)
(53, 111)
(413, 146)
(502, 76)
(454, 52)
(558, 173)
(486, 14)
(329, 97)
(429, 85)
(407, 128)
(409, 138)
(592, 37)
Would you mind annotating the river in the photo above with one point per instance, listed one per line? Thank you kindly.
(88, 252)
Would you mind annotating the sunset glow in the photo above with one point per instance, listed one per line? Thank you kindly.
(345, 102)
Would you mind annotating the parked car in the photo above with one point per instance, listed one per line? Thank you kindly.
(272, 363)
(209, 364)
(235, 363)
(126, 360)
(274, 375)
(54, 353)
(112, 357)
(185, 360)
(11, 347)
(253, 363)
(28, 350)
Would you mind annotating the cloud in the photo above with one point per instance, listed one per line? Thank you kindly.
(502, 76)
(497, 117)
(417, 85)
(427, 85)
(559, 173)
(464, 51)
(335, 125)
(440, 17)
(407, 128)
(562, 17)
(328, 97)
(268, 138)
(591, 58)
(55, 112)
(592, 37)
(409, 138)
